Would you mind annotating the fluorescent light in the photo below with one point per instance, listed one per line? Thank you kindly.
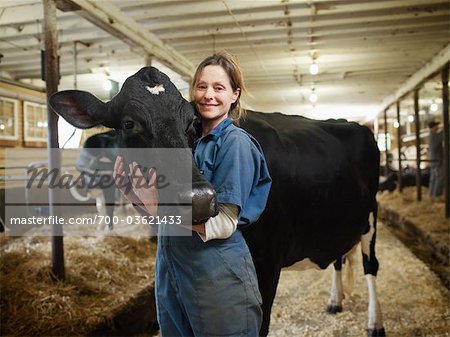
(434, 107)
(314, 68)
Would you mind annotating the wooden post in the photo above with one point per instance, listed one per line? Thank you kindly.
(148, 60)
(386, 153)
(417, 125)
(75, 65)
(446, 139)
(399, 150)
(54, 160)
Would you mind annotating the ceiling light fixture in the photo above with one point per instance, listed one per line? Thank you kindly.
(313, 96)
(434, 107)
(314, 68)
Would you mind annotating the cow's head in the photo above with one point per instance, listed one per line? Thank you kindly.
(148, 112)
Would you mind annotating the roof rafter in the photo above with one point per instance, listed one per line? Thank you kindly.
(111, 19)
(418, 78)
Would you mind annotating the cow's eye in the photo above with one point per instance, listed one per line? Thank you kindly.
(127, 125)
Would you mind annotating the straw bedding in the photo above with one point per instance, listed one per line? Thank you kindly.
(102, 274)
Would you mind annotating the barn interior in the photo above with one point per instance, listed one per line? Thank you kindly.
(381, 63)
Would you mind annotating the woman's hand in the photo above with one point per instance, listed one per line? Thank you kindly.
(145, 188)
(140, 191)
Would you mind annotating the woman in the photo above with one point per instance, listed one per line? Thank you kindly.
(206, 283)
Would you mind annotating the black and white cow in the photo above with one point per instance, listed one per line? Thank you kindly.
(96, 162)
(325, 178)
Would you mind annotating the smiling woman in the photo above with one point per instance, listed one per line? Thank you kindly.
(213, 96)
(224, 79)
(233, 162)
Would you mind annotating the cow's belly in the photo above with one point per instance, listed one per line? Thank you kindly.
(303, 265)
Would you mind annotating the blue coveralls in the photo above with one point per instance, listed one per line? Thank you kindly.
(210, 288)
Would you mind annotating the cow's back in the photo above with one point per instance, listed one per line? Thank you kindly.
(325, 176)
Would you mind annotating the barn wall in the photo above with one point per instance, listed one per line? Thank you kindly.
(24, 96)
(21, 96)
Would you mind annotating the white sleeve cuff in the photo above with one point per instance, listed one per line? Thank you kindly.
(223, 225)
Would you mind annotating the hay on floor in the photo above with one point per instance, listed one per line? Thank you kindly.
(102, 274)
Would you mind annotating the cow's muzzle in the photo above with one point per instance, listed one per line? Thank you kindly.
(204, 203)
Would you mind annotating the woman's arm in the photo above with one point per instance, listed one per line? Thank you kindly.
(221, 226)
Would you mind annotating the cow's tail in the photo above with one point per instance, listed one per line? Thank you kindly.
(348, 271)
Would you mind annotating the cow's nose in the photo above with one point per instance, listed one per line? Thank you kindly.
(203, 199)
(204, 204)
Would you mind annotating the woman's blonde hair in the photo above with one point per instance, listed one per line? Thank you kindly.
(230, 64)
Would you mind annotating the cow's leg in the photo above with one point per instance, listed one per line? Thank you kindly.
(370, 264)
(100, 205)
(336, 294)
(110, 198)
(268, 277)
(337, 288)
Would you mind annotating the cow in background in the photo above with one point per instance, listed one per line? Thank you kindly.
(325, 179)
(389, 182)
(96, 162)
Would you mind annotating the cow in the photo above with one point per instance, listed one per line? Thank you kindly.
(390, 182)
(96, 162)
(325, 178)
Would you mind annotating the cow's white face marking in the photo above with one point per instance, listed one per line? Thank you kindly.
(156, 89)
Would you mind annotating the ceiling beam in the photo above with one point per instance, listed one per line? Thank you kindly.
(428, 70)
(110, 18)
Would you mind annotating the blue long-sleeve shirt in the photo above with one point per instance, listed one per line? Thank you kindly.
(233, 161)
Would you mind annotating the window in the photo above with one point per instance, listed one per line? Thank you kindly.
(9, 119)
(36, 126)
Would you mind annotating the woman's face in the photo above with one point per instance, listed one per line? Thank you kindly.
(213, 95)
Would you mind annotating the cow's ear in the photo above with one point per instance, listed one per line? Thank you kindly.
(79, 108)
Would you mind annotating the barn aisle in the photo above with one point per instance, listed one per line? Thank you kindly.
(413, 300)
